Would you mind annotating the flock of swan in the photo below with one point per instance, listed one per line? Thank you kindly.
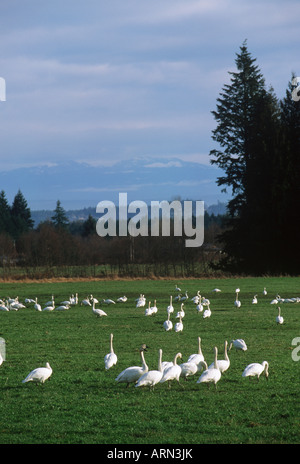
(140, 375)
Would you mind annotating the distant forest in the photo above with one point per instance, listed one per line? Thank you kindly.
(58, 246)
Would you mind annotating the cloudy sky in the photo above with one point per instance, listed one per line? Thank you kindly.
(103, 81)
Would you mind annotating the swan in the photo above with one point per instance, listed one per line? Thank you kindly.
(49, 307)
(216, 290)
(177, 289)
(4, 307)
(168, 325)
(179, 325)
(86, 302)
(279, 318)
(199, 306)
(207, 313)
(63, 307)
(37, 306)
(237, 302)
(223, 364)
(196, 358)
(188, 368)
(153, 377)
(173, 372)
(141, 301)
(51, 302)
(275, 300)
(254, 300)
(110, 359)
(108, 301)
(185, 297)
(239, 344)
(196, 298)
(170, 308)
(98, 312)
(181, 312)
(154, 308)
(74, 299)
(256, 369)
(148, 311)
(39, 375)
(133, 373)
(265, 291)
(212, 375)
(122, 299)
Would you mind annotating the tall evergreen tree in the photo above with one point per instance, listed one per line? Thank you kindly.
(21, 215)
(289, 186)
(247, 131)
(6, 225)
(59, 218)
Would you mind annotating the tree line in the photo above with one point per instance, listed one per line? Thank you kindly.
(59, 243)
(258, 140)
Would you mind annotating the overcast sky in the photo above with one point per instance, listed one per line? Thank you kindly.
(101, 81)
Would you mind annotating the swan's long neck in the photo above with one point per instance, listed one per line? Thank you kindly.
(145, 367)
(159, 361)
(216, 358)
(175, 359)
(111, 343)
(225, 348)
(199, 346)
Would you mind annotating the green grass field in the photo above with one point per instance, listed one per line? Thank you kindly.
(83, 404)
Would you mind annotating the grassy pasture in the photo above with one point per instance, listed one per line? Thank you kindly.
(82, 403)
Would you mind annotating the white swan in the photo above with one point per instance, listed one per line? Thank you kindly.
(37, 306)
(237, 302)
(188, 368)
(39, 375)
(49, 307)
(181, 312)
(179, 325)
(62, 307)
(265, 291)
(185, 297)
(212, 375)
(239, 344)
(154, 308)
(207, 313)
(133, 373)
(108, 301)
(173, 372)
(254, 299)
(4, 307)
(148, 311)
(168, 325)
(110, 359)
(153, 377)
(223, 364)
(256, 369)
(170, 308)
(279, 318)
(86, 302)
(199, 306)
(122, 299)
(197, 357)
(98, 312)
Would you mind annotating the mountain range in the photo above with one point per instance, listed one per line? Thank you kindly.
(80, 185)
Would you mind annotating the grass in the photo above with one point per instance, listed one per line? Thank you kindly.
(82, 403)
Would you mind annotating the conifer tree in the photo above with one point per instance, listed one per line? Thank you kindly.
(21, 215)
(59, 218)
(247, 133)
(6, 225)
